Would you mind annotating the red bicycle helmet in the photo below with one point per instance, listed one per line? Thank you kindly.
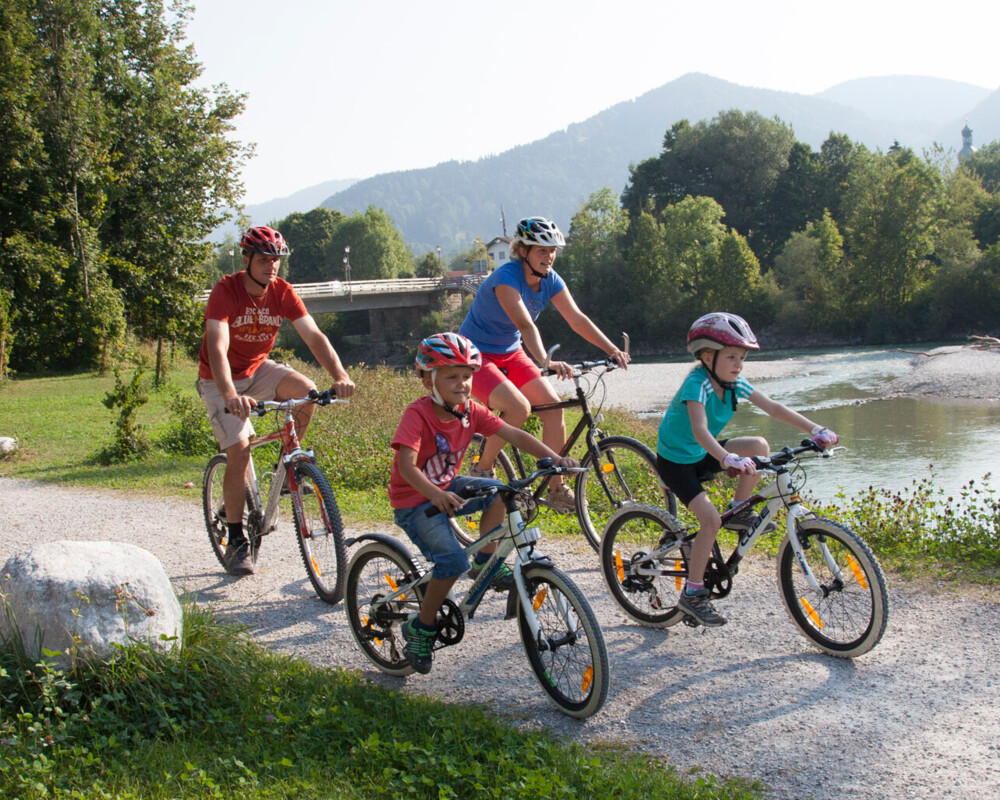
(448, 350)
(720, 329)
(262, 239)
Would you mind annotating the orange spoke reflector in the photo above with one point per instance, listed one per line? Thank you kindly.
(539, 599)
(607, 467)
(678, 579)
(619, 567)
(588, 678)
(391, 581)
(811, 612)
(316, 566)
(858, 572)
(470, 522)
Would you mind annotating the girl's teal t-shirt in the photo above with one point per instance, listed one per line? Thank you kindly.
(676, 441)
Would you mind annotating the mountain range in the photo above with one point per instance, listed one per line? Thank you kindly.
(452, 203)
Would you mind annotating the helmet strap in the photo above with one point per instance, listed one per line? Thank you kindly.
(727, 386)
(250, 274)
(436, 395)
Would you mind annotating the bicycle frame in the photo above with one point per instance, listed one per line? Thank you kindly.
(513, 533)
(778, 494)
(291, 452)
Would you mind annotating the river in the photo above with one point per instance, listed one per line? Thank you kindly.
(891, 442)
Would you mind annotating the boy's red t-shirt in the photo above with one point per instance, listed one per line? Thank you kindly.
(253, 323)
(440, 446)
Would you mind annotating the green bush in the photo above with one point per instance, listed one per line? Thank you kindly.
(129, 443)
(189, 432)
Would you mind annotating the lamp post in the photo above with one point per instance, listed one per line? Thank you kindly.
(347, 269)
(439, 256)
(232, 260)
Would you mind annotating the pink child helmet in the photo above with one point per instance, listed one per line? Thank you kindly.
(720, 329)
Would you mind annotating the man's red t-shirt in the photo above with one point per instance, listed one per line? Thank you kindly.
(253, 323)
(440, 446)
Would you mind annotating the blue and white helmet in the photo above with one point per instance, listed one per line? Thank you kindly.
(539, 231)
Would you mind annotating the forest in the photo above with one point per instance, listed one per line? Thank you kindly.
(116, 168)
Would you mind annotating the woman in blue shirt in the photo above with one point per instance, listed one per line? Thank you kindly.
(501, 323)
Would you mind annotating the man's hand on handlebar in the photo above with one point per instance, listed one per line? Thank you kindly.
(565, 461)
(240, 406)
(343, 389)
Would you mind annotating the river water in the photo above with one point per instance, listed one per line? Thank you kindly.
(891, 442)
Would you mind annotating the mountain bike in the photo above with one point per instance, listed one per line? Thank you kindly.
(619, 469)
(830, 581)
(314, 508)
(560, 634)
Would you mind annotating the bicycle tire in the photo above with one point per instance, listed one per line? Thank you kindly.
(646, 590)
(629, 470)
(466, 528)
(375, 570)
(849, 614)
(214, 508)
(320, 533)
(573, 667)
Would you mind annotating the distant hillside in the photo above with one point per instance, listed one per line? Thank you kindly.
(452, 203)
(908, 98)
(303, 200)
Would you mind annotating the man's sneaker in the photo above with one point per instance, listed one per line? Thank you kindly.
(238, 560)
(503, 581)
(744, 519)
(699, 606)
(475, 472)
(419, 645)
(561, 497)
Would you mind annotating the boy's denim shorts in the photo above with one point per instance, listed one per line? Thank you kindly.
(434, 536)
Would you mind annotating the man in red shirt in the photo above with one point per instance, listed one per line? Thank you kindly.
(242, 318)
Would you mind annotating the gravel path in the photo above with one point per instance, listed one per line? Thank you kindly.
(915, 718)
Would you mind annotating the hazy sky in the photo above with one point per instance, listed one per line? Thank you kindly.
(342, 89)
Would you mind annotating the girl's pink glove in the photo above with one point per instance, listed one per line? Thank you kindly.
(736, 465)
(824, 437)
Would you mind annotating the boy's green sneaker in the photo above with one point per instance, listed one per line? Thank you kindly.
(419, 645)
(503, 581)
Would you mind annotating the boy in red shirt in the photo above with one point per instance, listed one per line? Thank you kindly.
(430, 441)
(242, 318)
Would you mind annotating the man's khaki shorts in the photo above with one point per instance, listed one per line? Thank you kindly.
(262, 385)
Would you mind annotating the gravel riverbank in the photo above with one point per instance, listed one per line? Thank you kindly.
(915, 718)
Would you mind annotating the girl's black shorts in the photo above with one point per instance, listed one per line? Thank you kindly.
(685, 480)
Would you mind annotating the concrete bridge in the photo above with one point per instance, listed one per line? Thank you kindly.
(393, 305)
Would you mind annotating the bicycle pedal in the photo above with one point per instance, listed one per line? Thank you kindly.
(691, 622)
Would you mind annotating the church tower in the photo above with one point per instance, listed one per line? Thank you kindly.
(967, 148)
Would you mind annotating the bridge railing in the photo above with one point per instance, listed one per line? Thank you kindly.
(466, 283)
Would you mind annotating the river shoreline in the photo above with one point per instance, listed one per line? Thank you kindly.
(947, 374)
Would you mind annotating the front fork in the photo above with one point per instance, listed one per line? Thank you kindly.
(795, 512)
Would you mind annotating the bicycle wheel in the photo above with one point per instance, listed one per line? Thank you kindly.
(467, 528)
(644, 573)
(847, 615)
(320, 533)
(214, 507)
(569, 658)
(376, 570)
(628, 470)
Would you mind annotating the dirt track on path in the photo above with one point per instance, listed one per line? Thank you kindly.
(915, 718)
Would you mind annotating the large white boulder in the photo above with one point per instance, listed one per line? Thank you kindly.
(81, 598)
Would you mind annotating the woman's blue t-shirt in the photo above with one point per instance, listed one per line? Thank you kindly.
(676, 441)
(487, 324)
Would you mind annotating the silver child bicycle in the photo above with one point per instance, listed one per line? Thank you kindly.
(560, 634)
(830, 581)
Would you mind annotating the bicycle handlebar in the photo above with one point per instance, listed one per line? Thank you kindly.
(324, 398)
(584, 366)
(545, 467)
(788, 454)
